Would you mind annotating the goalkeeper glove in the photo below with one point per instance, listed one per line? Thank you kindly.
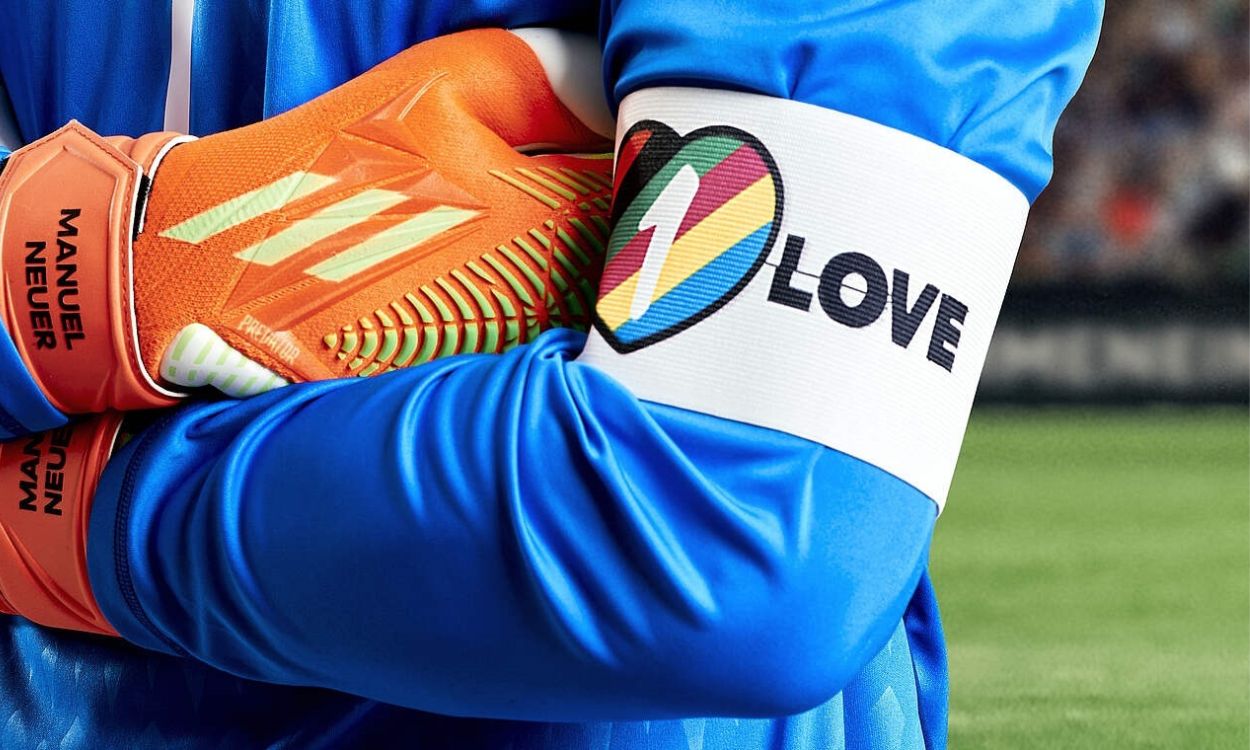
(440, 203)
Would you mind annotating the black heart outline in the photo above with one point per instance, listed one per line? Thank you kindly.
(636, 178)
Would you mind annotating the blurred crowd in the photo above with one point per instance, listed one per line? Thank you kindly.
(1152, 159)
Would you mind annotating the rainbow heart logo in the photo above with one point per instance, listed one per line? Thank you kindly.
(695, 217)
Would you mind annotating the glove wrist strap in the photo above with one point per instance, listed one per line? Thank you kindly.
(67, 221)
(43, 551)
(804, 270)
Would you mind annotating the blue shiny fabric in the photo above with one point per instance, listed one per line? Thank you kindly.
(74, 692)
(258, 59)
(23, 407)
(986, 79)
(103, 63)
(516, 537)
(510, 537)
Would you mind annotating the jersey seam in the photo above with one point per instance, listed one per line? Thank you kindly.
(121, 560)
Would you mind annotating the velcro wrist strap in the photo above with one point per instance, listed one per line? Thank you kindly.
(804, 270)
(50, 479)
(67, 212)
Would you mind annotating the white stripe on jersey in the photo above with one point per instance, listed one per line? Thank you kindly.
(178, 93)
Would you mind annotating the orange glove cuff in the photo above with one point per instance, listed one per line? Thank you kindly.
(43, 544)
(67, 212)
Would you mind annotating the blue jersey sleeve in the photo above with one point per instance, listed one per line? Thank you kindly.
(987, 79)
(511, 536)
(518, 536)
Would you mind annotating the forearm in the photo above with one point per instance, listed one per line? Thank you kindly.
(513, 537)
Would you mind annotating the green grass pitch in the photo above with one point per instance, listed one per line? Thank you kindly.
(1093, 569)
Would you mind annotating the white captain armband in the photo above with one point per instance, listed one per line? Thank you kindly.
(804, 270)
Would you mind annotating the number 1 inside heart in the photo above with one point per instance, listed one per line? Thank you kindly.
(665, 216)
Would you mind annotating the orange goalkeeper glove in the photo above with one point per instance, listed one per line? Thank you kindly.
(447, 201)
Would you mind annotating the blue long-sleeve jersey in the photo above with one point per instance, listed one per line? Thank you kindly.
(517, 537)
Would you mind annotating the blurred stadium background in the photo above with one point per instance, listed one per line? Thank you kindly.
(1094, 561)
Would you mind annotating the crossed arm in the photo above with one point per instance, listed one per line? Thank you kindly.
(521, 537)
